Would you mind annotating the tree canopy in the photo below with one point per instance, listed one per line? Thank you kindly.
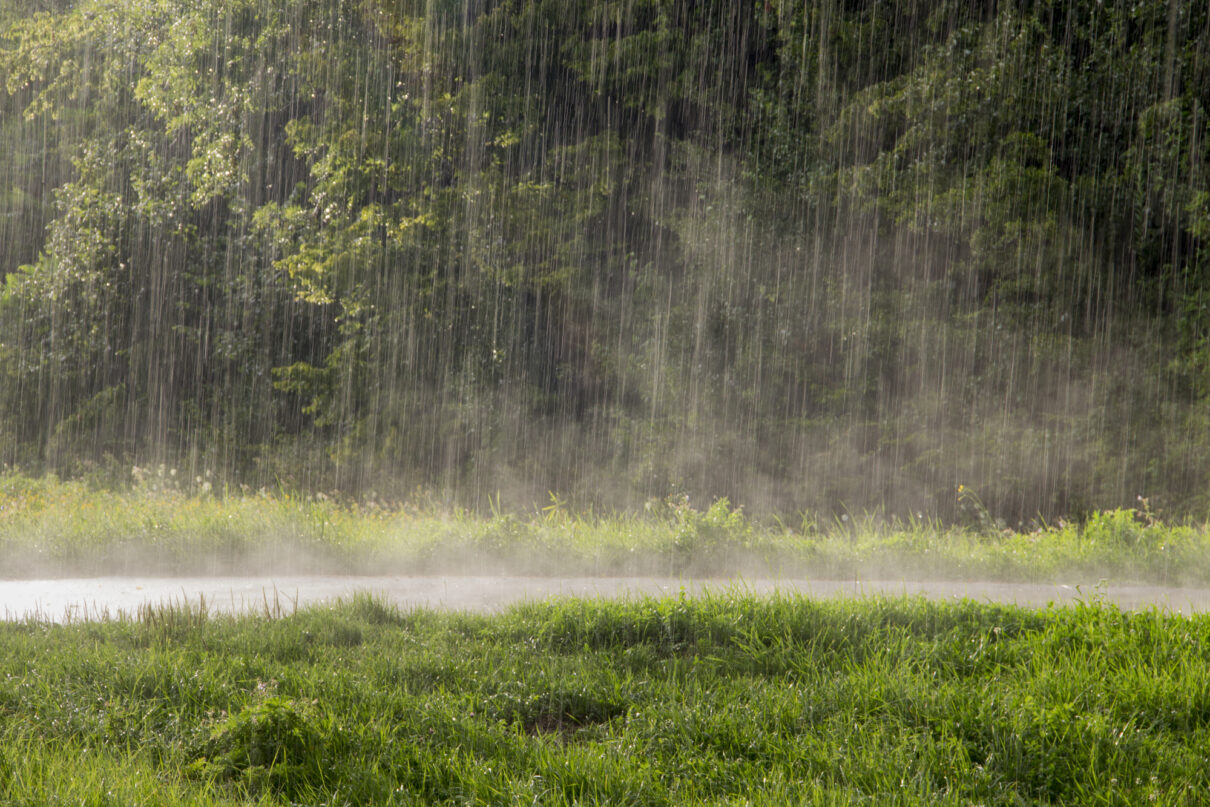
(827, 255)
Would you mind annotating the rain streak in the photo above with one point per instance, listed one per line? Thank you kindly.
(944, 259)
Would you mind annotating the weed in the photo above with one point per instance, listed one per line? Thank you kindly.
(275, 744)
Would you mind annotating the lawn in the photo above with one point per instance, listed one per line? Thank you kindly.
(720, 699)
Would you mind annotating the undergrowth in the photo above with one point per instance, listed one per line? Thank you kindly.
(54, 527)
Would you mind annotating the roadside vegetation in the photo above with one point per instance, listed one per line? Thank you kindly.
(719, 699)
(167, 525)
(795, 254)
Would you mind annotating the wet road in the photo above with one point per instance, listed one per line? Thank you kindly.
(60, 599)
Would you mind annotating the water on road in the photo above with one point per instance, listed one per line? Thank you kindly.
(90, 598)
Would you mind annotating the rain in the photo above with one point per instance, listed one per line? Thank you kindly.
(604, 401)
(839, 258)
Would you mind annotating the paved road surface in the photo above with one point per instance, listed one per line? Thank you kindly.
(59, 599)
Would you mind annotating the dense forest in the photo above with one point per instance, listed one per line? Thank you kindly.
(836, 255)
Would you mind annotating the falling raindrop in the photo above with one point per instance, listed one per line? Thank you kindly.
(807, 256)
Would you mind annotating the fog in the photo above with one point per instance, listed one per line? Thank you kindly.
(79, 600)
(824, 258)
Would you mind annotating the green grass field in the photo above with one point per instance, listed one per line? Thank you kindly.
(170, 526)
(717, 699)
(723, 699)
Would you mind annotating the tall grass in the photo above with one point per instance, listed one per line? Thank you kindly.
(719, 699)
(48, 526)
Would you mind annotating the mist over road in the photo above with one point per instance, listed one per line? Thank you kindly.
(92, 598)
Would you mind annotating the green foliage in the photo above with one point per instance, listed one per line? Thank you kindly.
(795, 255)
(275, 743)
(676, 700)
(174, 526)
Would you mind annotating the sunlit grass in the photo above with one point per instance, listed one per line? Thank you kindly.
(48, 526)
(724, 698)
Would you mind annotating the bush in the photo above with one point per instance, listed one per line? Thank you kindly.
(276, 744)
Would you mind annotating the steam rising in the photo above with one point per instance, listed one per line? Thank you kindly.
(804, 256)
